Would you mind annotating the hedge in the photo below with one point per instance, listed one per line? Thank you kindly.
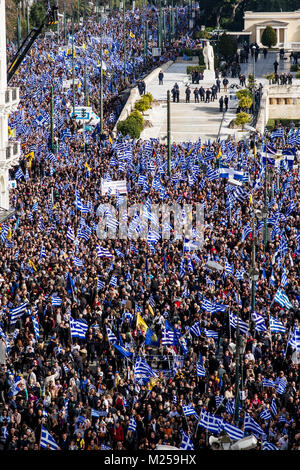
(192, 68)
(285, 122)
(132, 125)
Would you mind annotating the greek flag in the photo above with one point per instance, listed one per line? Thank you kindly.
(70, 234)
(78, 328)
(210, 422)
(56, 301)
(4, 232)
(113, 281)
(210, 333)
(143, 370)
(252, 426)
(17, 312)
(269, 446)
(47, 440)
(246, 231)
(282, 299)
(111, 337)
(233, 432)
(259, 322)
(212, 174)
(265, 414)
(281, 385)
(186, 442)
(228, 268)
(36, 327)
(188, 410)
(200, 370)
(195, 329)
(276, 326)
(78, 262)
(268, 382)
(233, 319)
(103, 252)
(132, 424)
(168, 337)
(273, 407)
(19, 174)
(230, 407)
(100, 284)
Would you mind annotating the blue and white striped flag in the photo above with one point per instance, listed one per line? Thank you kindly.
(276, 326)
(78, 328)
(186, 442)
(47, 440)
(56, 301)
(269, 446)
(251, 425)
(111, 336)
(195, 329)
(17, 312)
(282, 299)
(211, 422)
(233, 432)
(132, 424)
(265, 414)
(188, 410)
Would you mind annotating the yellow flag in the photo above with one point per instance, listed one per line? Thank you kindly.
(153, 382)
(110, 140)
(191, 151)
(79, 84)
(106, 51)
(32, 264)
(141, 324)
(255, 150)
(131, 34)
(8, 236)
(84, 46)
(30, 155)
(250, 200)
(50, 57)
(87, 167)
(150, 309)
(219, 153)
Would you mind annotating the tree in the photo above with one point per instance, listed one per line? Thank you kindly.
(227, 45)
(269, 37)
(242, 119)
(245, 102)
(243, 92)
(37, 13)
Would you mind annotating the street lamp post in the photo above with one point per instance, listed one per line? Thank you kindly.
(169, 131)
(124, 35)
(159, 27)
(237, 373)
(73, 65)
(254, 50)
(101, 74)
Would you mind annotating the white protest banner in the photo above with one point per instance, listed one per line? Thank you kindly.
(119, 185)
(12, 184)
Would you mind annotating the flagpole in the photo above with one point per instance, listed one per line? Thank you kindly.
(73, 70)
(101, 76)
(287, 343)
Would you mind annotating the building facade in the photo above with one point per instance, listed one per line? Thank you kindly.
(9, 100)
(286, 25)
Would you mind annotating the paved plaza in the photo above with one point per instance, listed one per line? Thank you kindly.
(189, 121)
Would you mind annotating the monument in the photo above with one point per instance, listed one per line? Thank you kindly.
(208, 54)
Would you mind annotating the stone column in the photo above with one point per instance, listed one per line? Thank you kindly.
(277, 34)
(285, 45)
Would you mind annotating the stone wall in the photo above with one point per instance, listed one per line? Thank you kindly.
(135, 94)
(278, 102)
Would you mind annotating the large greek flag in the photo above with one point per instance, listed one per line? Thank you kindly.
(47, 440)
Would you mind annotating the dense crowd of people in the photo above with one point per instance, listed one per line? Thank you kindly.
(126, 343)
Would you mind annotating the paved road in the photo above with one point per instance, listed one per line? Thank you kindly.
(189, 121)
